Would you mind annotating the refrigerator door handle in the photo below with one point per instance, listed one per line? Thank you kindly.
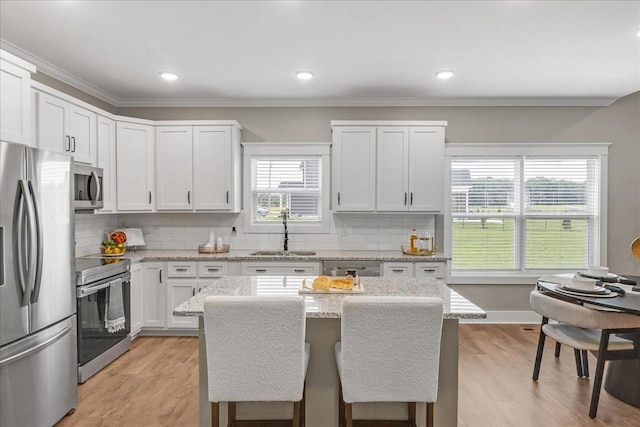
(37, 281)
(95, 183)
(36, 347)
(18, 241)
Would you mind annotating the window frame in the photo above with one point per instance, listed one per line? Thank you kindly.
(511, 150)
(286, 149)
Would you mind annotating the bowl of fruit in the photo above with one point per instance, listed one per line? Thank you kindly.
(115, 245)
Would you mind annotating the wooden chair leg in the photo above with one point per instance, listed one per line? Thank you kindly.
(411, 410)
(597, 381)
(541, 338)
(557, 353)
(585, 363)
(576, 352)
(303, 406)
(296, 414)
(215, 414)
(348, 414)
(341, 419)
(231, 414)
(429, 414)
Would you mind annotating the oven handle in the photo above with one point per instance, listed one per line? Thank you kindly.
(83, 291)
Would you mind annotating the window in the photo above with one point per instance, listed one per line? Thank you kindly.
(522, 210)
(286, 178)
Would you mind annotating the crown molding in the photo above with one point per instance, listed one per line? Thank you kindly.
(60, 74)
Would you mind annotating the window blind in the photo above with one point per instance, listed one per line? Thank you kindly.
(524, 212)
(292, 184)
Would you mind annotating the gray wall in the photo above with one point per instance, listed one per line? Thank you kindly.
(618, 124)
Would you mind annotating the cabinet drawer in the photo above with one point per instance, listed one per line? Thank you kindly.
(181, 269)
(275, 269)
(430, 269)
(212, 269)
(402, 269)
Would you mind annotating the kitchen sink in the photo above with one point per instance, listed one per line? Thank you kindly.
(283, 253)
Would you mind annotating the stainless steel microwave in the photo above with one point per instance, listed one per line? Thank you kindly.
(87, 187)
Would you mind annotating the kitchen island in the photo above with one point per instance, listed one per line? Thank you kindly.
(323, 331)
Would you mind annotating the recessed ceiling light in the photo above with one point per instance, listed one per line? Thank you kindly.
(168, 76)
(444, 74)
(304, 75)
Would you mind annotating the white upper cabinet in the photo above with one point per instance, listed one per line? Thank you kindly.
(216, 168)
(107, 161)
(135, 167)
(66, 128)
(388, 166)
(174, 167)
(15, 99)
(354, 168)
(410, 168)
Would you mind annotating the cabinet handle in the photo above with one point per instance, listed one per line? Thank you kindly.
(261, 270)
(149, 197)
(405, 199)
(300, 270)
(160, 271)
(397, 270)
(227, 196)
(181, 269)
(68, 146)
(429, 270)
(73, 138)
(193, 292)
(189, 196)
(338, 197)
(411, 201)
(213, 269)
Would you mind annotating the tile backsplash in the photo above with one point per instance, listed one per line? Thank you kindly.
(188, 230)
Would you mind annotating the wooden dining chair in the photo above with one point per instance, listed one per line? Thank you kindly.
(255, 352)
(586, 330)
(389, 352)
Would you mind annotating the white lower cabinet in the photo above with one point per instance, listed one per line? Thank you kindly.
(178, 291)
(278, 268)
(136, 298)
(436, 270)
(154, 295)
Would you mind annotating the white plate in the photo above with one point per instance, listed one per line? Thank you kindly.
(582, 294)
(596, 290)
(589, 276)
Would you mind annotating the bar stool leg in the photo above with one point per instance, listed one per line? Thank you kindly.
(215, 414)
(576, 353)
(429, 414)
(536, 366)
(585, 363)
(557, 353)
(411, 410)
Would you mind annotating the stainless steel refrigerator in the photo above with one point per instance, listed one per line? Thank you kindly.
(38, 354)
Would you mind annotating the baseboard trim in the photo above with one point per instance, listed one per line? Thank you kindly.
(507, 317)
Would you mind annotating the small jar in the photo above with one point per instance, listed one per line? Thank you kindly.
(219, 243)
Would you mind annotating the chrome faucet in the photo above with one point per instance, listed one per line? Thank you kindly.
(286, 232)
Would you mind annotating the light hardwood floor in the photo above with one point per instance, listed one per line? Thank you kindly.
(155, 384)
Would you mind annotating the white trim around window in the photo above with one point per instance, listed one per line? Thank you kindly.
(456, 151)
(287, 151)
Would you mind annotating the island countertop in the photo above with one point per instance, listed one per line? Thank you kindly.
(323, 305)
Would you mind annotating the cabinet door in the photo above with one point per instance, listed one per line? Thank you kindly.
(15, 104)
(354, 168)
(53, 116)
(106, 132)
(426, 169)
(174, 167)
(178, 291)
(136, 298)
(431, 269)
(393, 173)
(214, 166)
(82, 131)
(397, 269)
(154, 295)
(135, 170)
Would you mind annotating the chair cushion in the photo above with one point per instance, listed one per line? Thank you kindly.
(583, 339)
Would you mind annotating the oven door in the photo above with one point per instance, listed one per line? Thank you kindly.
(93, 300)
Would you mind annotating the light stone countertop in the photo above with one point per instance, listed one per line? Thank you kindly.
(243, 255)
(322, 305)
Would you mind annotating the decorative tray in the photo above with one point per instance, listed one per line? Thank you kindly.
(357, 289)
(211, 250)
(421, 252)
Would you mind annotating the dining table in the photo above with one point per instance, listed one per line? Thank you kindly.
(622, 379)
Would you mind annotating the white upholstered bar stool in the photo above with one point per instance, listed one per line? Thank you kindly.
(389, 352)
(255, 352)
(586, 329)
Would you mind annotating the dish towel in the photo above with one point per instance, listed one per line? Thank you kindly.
(115, 319)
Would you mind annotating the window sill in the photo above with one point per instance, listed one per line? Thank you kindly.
(476, 278)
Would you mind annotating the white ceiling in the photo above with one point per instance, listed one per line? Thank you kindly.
(245, 53)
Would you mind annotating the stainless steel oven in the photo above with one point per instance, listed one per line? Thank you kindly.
(104, 312)
(87, 188)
